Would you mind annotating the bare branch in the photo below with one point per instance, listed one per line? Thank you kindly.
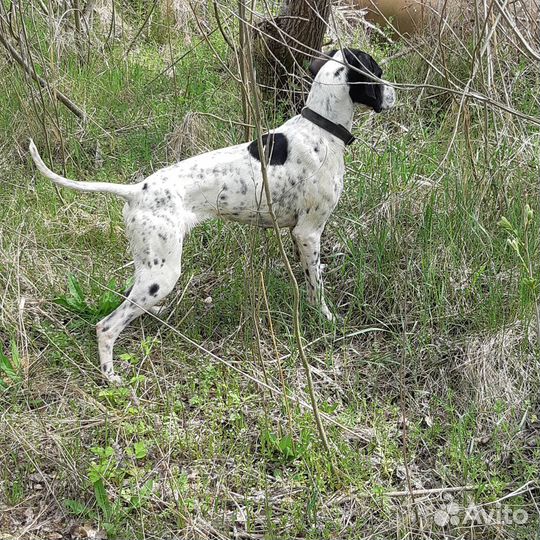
(77, 111)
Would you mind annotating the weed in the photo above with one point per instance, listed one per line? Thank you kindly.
(10, 368)
(76, 300)
(521, 245)
(284, 448)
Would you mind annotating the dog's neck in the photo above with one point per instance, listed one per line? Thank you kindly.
(330, 98)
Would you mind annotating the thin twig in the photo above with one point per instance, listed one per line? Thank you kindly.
(143, 25)
(77, 111)
(296, 291)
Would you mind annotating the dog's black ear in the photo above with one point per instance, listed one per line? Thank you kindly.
(363, 89)
(375, 68)
(375, 89)
(318, 63)
(371, 89)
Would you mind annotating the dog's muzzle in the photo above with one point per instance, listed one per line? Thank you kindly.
(388, 98)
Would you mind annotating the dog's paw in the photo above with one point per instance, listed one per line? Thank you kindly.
(330, 316)
(334, 318)
(113, 379)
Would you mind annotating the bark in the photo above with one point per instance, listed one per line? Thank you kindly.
(286, 43)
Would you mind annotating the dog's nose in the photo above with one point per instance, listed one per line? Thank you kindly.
(388, 98)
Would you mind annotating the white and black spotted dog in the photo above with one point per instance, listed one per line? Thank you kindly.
(305, 174)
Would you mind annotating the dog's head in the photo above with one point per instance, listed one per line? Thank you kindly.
(360, 72)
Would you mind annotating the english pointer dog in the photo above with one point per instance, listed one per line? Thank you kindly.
(305, 168)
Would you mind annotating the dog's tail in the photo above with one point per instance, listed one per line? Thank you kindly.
(125, 191)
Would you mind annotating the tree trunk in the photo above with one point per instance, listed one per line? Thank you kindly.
(286, 43)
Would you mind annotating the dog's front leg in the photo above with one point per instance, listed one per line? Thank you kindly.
(308, 242)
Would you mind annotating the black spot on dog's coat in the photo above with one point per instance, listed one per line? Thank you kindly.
(153, 289)
(276, 147)
(145, 186)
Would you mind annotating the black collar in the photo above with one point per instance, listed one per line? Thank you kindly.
(337, 130)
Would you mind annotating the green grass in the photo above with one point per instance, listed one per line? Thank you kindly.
(435, 363)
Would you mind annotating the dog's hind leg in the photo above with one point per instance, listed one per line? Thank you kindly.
(157, 269)
(154, 310)
(296, 251)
